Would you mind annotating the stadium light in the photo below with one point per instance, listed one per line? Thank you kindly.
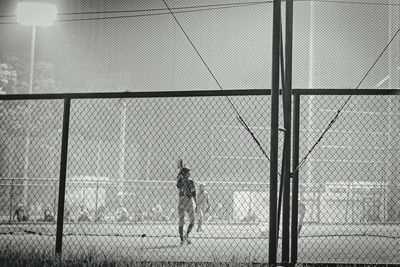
(36, 13)
(33, 14)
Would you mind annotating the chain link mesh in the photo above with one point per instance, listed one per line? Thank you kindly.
(95, 46)
(30, 156)
(121, 180)
(349, 183)
(121, 196)
(121, 192)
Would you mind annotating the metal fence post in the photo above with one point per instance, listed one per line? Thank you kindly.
(295, 179)
(11, 198)
(274, 135)
(63, 172)
(96, 205)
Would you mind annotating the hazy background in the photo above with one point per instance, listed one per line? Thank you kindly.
(335, 43)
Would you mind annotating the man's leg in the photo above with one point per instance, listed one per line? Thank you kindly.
(190, 227)
(181, 214)
(181, 233)
(190, 211)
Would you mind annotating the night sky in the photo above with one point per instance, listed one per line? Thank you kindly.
(150, 52)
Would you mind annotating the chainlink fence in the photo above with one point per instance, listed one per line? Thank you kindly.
(349, 184)
(30, 151)
(121, 196)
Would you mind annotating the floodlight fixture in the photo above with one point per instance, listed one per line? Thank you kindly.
(33, 14)
(36, 13)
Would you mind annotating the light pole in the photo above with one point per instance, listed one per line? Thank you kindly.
(33, 14)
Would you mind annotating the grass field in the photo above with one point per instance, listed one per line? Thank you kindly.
(217, 243)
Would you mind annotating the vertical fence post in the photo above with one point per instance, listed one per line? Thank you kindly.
(63, 173)
(274, 134)
(55, 197)
(97, 201)
(11, 198)
(295, 181)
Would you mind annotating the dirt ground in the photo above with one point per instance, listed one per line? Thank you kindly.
(230, 243)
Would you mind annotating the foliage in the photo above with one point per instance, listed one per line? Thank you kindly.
(44, 75)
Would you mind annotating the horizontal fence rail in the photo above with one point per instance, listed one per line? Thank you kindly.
(121, 194)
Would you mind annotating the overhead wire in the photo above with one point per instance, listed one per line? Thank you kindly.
(239, 117)
(185, 9)
(156, 14)
(153, 9)
(136, 15)
(227, 5)
(199, 8)
(332, 122)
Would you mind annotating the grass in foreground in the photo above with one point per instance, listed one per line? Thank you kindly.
(13, 258)
(46, 259)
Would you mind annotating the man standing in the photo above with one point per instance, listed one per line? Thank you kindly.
(187, 202)
(203, 205)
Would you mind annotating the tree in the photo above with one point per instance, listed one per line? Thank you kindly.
(30, 129)
(44, 80)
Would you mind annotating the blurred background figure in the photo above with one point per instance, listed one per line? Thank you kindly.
(47, 216)
(67, 212)
(83, 215)
(139, 215)
(20, 214)
(302, 213)
(203, 205)
(121, 214)
(250, 217)
(99, 215)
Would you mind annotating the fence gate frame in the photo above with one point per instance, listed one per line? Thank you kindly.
(294, 175)
(296, 94)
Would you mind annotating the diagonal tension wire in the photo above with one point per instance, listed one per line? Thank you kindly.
(345, 103)
(284, 105)
(239, 117)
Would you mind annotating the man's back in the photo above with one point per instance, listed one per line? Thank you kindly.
(186, 187)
